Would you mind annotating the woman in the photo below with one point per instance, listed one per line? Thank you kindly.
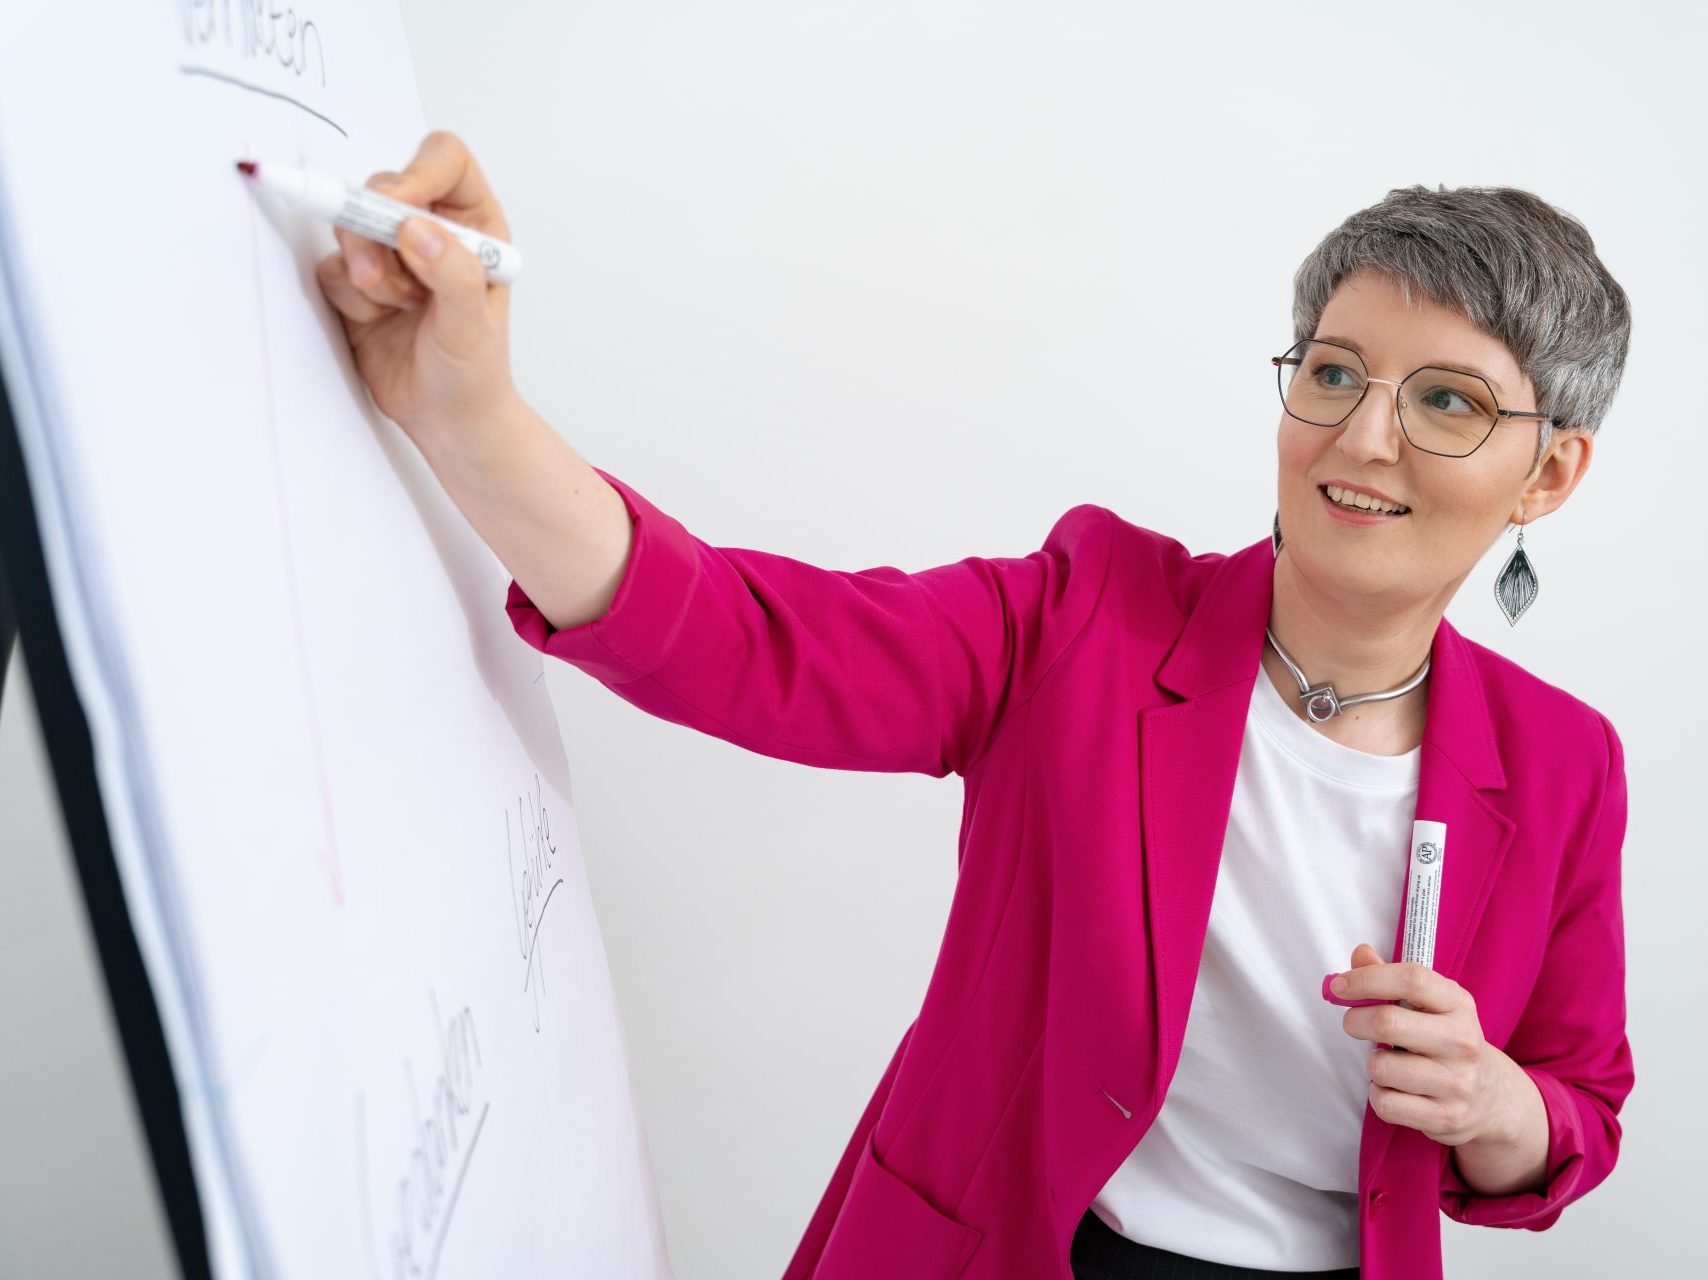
(1190, 780)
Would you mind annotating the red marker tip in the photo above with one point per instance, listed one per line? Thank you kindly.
(246, 167)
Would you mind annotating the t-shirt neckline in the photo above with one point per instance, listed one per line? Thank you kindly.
(1288, 730)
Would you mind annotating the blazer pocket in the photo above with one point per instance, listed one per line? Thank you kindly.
(887, 1229)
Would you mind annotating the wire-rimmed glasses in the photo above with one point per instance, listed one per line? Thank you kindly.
(1449, 412)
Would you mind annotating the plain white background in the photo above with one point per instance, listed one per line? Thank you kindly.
(895, 283)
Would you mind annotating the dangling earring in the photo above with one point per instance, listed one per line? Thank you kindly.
(1515, 585)
(1275, 537)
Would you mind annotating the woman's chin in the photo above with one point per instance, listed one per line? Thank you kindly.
(1348, 566)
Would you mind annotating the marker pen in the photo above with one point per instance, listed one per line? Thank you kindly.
(1422, 908)
(376, 216)
(1423, 898)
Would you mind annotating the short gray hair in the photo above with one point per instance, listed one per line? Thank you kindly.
(1516, 267)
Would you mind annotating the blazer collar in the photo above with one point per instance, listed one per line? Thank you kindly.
(1223, 639)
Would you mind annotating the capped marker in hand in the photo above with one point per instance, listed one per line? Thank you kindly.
(377, 217)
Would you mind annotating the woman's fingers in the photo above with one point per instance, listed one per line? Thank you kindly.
(333, 273)
(463, 320)
(394, 279)
(377, 271)
(444, 178)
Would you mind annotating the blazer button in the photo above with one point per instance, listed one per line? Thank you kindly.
(1378, 1197)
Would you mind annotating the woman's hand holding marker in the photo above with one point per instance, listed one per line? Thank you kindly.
(431, 338)
(429, 331)
(1449, 1082)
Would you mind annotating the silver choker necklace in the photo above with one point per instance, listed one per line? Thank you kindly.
(1321, 701)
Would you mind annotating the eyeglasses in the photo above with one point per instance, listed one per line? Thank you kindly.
(1442, 411)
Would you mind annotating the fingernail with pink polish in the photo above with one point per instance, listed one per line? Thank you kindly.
(1344, 1003)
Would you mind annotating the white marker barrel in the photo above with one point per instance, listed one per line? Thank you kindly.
(369, 213)
(1423, 897)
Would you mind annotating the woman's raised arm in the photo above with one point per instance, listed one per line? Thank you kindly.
(879, 669)
(876, 670)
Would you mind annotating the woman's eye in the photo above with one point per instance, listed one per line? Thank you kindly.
(1442, 398)
(1334, 375)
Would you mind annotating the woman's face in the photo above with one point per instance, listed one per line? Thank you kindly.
(1458, 506)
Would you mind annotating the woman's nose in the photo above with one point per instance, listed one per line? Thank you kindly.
(1373, 430)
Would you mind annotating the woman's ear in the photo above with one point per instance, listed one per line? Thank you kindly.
(1556, 476)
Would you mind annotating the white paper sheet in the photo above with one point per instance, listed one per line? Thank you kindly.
(336, 789)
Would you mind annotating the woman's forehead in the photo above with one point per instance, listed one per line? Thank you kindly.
(1368, 313)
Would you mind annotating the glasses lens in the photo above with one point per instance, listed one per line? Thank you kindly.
(1321, 382)
(1447, 412)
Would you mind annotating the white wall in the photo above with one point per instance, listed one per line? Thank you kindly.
(866, 283)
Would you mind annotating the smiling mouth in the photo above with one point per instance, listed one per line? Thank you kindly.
(1368, 511)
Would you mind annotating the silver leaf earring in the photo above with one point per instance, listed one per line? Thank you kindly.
(1516, 587)
(1275, 535)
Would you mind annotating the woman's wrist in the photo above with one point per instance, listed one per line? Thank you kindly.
(487, 441)
(560, 530)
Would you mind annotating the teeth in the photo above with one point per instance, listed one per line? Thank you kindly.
(1363, 501)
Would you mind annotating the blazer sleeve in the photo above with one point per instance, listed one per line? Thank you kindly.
(876, 670)
(1571, 1039)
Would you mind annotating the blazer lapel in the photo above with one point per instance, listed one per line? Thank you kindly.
(1459, 762)
(1189, 756)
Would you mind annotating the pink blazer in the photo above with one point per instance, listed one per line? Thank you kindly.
(1092, 696)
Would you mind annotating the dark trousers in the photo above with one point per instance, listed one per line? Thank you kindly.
(1099, 1253)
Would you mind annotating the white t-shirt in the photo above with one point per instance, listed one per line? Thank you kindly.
(1253, 1158)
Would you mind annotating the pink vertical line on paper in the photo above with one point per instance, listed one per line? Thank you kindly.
(329, 863)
